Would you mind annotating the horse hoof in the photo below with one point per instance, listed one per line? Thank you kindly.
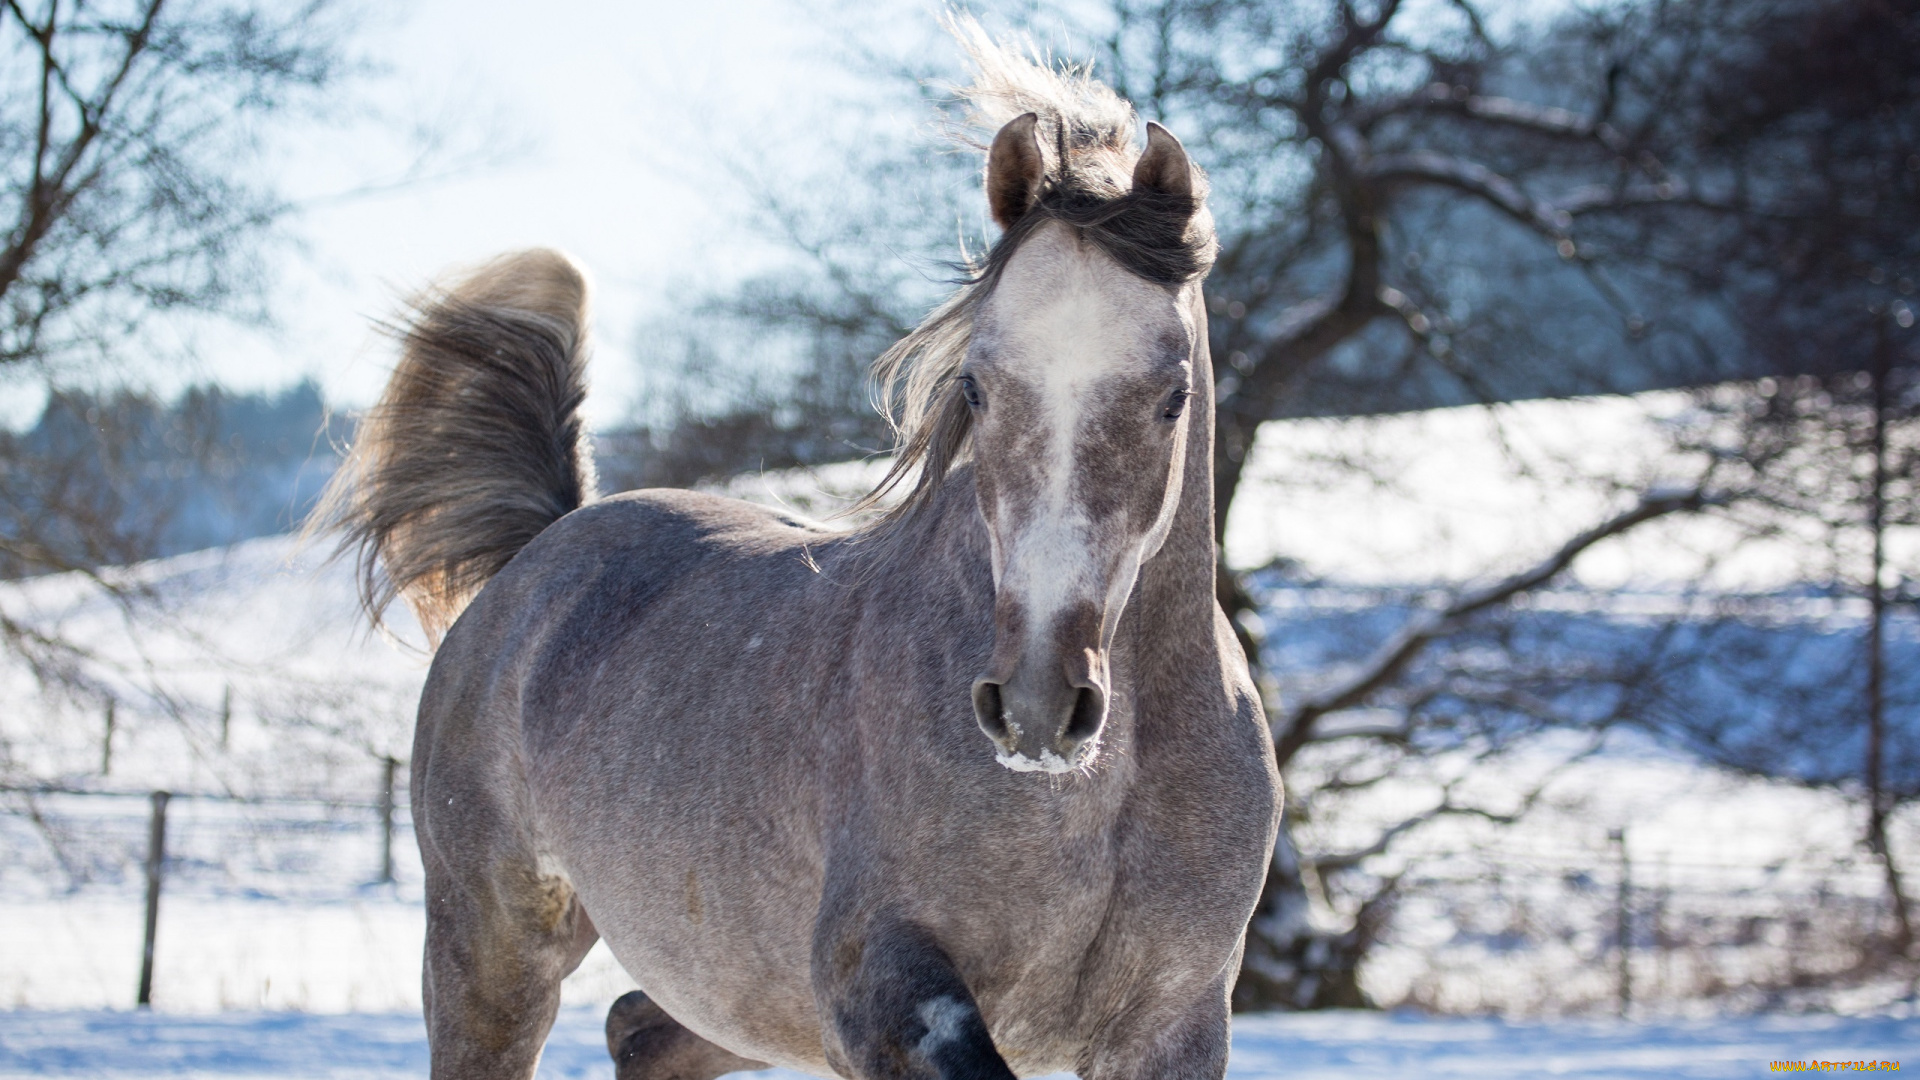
(632, 1013)
(647, 1044)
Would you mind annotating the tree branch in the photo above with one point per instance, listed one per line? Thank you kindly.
(1475, 179)
(1446, 807)
(50, 193)
(1504, 112)
(1391, 658)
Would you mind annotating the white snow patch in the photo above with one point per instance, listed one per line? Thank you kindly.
(1311, 1046)
(1048, 762)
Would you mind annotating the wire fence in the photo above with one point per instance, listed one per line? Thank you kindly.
(1586, 929)
(296, 842)
(207, 900)
(116, 891)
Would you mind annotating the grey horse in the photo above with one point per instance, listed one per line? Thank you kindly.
(978, 788)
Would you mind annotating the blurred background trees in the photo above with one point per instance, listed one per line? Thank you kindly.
(135, 196)
(131, 188)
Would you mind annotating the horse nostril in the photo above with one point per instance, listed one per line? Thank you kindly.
(988, 711)
(1089, 709)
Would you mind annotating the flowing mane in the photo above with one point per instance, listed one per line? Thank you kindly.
(1087, 140)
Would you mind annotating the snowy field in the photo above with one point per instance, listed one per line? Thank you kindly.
(1325, 1046)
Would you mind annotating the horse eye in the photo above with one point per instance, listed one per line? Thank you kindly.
(970, 390)
(1176, 405)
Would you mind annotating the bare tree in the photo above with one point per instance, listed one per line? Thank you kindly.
(133, 183)
(131, 187)
(1814, 126)
(134, 187)
(1828, 462)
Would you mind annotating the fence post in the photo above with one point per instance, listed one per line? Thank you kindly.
(156, 864)
(1624, 921)
(106, 743)
(1663, 974)
(386, 822)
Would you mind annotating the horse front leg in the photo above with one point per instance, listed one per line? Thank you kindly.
(494, 961)
(503, 927)
(895, 1008)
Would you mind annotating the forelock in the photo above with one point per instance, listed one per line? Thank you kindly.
(1086, 132)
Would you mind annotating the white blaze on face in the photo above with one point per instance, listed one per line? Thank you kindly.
(1069, 324)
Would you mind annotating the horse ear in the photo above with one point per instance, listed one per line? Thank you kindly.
(1163, 167)
(1014, 170)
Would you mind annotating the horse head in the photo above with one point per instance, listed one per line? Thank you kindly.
(1076, 379)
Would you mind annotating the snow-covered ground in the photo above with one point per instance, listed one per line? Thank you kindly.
(1742, 887)
(1323, 1046)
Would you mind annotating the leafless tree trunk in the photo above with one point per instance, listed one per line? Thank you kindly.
(1877, 801)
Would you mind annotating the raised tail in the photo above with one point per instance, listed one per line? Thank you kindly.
(477, 444)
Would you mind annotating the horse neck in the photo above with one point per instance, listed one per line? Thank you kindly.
(1175, 594)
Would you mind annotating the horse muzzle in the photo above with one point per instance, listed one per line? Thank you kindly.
(1044, 717)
